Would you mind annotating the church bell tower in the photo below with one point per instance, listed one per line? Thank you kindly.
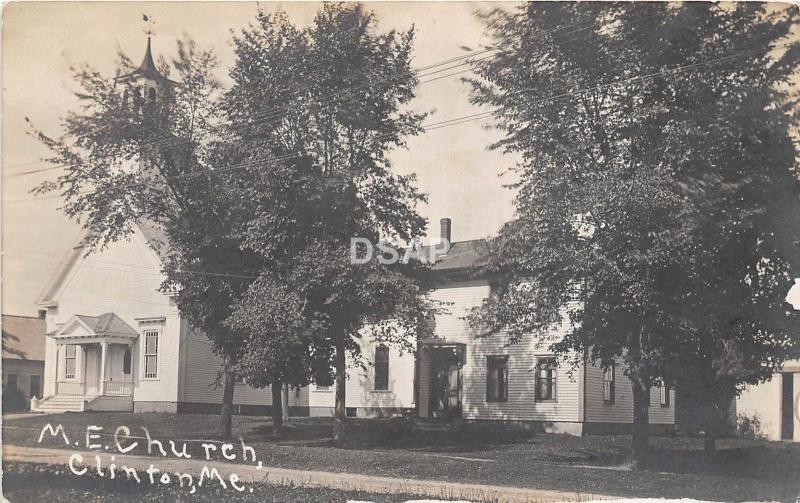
(147, 81)
(147, 92)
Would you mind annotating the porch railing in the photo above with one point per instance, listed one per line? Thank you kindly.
(117, 388)
(70, 388)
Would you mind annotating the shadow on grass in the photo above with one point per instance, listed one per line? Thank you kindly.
(404, 434)
(394, 433)
(765, 461)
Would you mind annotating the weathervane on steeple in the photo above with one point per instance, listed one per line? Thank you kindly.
(147, 69)
(148, 24)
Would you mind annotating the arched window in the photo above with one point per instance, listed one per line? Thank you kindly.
(151, 94)
(126, 362)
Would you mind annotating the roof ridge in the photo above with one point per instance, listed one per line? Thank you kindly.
(22, 316)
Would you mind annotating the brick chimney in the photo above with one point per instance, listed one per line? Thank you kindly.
(446, 229)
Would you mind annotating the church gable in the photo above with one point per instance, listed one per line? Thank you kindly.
(128, 271)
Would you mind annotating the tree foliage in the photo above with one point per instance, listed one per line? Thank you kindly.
(655, 140)
(130, 160)
(327, 103)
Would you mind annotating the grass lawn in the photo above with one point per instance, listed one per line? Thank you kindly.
(741, 470)
(23, 482)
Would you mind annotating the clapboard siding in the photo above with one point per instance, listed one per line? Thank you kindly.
(459, 299)
(621, 409)
(360, 390)
(202, 368)
(124, 279)
(201, 373)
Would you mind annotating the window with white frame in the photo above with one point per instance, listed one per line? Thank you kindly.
(609, 383)
(546, 369)
(664, 395)
(151, 354)
(70, 357)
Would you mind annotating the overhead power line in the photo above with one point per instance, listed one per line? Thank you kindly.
(269, 114)
(477, 116)
(273, 115)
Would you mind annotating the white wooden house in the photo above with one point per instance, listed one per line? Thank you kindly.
(482, 377)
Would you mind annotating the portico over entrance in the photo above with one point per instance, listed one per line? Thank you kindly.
(94, 356)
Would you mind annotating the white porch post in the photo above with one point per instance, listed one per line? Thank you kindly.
(103, 353)
(58, 364)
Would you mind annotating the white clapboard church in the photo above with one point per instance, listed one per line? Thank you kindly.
(116, 342)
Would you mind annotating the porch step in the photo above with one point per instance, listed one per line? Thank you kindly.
(61, 403)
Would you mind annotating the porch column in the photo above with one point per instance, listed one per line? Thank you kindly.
(58, 365)
(103, 353)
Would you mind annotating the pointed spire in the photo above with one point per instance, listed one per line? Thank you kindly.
(148, 68)
(148, 65)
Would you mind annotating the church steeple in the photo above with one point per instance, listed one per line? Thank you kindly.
(148, 94)
(148, 65)
(147, 82)
(148, 70)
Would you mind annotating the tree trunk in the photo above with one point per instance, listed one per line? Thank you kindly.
(339, 414)
(277, 409)
(285, 403)
(226, 415)
(640, 428)
(712, 421)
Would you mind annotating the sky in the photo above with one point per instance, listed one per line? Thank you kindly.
(43, 40)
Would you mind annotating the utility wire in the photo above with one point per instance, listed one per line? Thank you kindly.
(271, 112)
(417, 71)
(275, 114)
(476, 116)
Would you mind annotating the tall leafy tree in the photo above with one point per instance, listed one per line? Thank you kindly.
(326, 102)
(132, 155)
(608, 105)
(729, 131)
